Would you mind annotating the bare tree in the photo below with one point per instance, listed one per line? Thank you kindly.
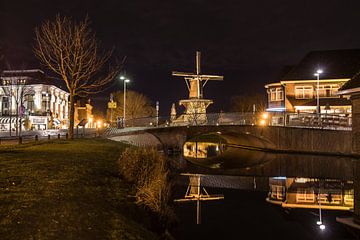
(246, 103)
(137, 105)
(71, 50)
(15, 87)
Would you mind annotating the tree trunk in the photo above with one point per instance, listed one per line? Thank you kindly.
(71, 116)
(17, 119)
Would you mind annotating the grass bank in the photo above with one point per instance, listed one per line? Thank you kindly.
(67, 190)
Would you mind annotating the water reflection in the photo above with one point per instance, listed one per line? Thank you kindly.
(227, 150)
(312, 182)
(301, 192)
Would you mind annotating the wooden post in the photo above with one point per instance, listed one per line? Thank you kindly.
(48, 137)
(66, 136)
(20, 140)
(59, 136)
(36, 138)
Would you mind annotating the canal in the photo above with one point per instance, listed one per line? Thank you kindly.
(244, 214)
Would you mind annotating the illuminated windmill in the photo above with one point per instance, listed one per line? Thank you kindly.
(195, 106)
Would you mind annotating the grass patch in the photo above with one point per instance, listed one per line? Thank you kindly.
(67, 190)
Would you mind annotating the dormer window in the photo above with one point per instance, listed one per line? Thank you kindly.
(276, 94)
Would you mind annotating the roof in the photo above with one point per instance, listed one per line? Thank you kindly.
(353, 83)
(336, 64)
(33, 76)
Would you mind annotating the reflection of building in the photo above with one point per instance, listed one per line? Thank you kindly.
(29, 95)
(83, 114)
(202, 149)
(297, 89)
(304, 193)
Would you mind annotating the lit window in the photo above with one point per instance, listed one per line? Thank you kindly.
(303, 92)
(305, 195)
(328, 90)
(276, 94)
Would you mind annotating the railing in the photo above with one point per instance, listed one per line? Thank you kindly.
(301, 120)
(46, 135)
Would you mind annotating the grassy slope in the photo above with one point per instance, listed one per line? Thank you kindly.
(66, 190)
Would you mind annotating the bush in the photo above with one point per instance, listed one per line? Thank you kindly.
(146, 168)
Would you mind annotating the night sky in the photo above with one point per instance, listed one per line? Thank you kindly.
(249, 42)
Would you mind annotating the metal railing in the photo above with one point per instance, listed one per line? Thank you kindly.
(46, 135)
(301, 120)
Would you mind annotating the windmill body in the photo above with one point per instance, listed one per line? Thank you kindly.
(195, 105)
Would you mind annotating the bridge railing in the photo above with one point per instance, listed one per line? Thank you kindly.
(303, 120)
(309, 120)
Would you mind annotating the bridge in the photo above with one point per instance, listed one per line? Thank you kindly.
(308, 145)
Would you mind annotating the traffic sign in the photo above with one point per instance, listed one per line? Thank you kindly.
(111, 104)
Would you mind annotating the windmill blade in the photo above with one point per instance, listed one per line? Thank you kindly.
(212, 77)
(183, 74)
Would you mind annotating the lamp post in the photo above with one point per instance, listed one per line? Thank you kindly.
(317, 74)
(125, 81)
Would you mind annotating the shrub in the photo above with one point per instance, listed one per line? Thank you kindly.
(146, 168)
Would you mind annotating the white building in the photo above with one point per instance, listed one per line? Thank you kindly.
(30, 97)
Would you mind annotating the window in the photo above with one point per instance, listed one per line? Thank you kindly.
(277, 192)
(30, 103)
(328, 90)
(305, 195)
(5, 106)
(276, 94)
(45, 103)
(303, 92)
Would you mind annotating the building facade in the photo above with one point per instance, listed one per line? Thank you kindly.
(28, 98)
(83, 114)
(299, 89)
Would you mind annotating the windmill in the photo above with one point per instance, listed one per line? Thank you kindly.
(195, 106)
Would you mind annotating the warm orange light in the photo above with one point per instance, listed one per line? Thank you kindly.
(262, 122)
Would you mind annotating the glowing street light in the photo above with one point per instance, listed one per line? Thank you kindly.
(125, 81)
(317, 74)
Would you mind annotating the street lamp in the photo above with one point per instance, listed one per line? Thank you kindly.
(317, 74)
(125, 81)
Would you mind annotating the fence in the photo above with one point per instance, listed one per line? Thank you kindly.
(7, 140)
(303, 120)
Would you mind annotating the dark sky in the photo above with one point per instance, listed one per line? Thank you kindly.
(249, 42)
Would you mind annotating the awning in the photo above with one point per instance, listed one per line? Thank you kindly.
(56, 121)
(6, 120)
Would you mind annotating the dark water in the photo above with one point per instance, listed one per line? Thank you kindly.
(244, 214)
